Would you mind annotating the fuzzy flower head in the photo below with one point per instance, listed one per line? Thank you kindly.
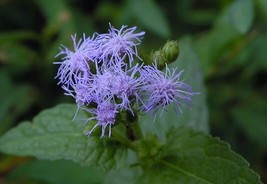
(75, 63)
(114, 84)
(163, 88)
(117, 45)
(81, 91)
(118, 84)
(102, 85)
(105, 115)
(126, 86)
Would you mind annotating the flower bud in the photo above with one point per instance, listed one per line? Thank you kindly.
(158, 57)
(170, 51)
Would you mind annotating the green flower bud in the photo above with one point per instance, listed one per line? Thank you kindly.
(159, 58)
(171, 51)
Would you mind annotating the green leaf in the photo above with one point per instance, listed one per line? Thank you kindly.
(128, 174)
(197, 115)
(55, 172)
(193, 157)
(242, 14)
(53, 135)
(15, 36)
(15, 100)
(251, 118)
(262, 9)
(148, 13)
(19, 60)
(254, 51)
(213, 45)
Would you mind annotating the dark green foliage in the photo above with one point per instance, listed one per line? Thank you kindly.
(187, 156)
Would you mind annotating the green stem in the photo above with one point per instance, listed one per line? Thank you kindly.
(124, 140)
(137, 130)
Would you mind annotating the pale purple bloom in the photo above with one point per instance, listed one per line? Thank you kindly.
(114, 85)
(118, 45)
(118, 84)
(163, 88)
(75, 62)
(103, 84)
(125, 86)
(105, 114)
(81, 91)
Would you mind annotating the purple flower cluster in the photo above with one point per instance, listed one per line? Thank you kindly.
(101, 75)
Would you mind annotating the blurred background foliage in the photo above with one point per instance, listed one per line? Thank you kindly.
(229, 37)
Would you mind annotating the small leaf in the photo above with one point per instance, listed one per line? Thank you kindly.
(242, 15)
(193, 157)
(148, 13)
(53, 136)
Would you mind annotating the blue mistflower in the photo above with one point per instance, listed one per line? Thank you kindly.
(125, 86)
(75, 62)
(116, 45)
(105, 114)
(102, 84)
(81, 91)
(118, 84)
(162, 88)
(115, 84)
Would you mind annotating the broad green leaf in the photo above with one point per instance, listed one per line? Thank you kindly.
(197, 115)
(127, 174)
(193, 157)
(53, 135)
(242, 13)
(55, 172)
(148, 13)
